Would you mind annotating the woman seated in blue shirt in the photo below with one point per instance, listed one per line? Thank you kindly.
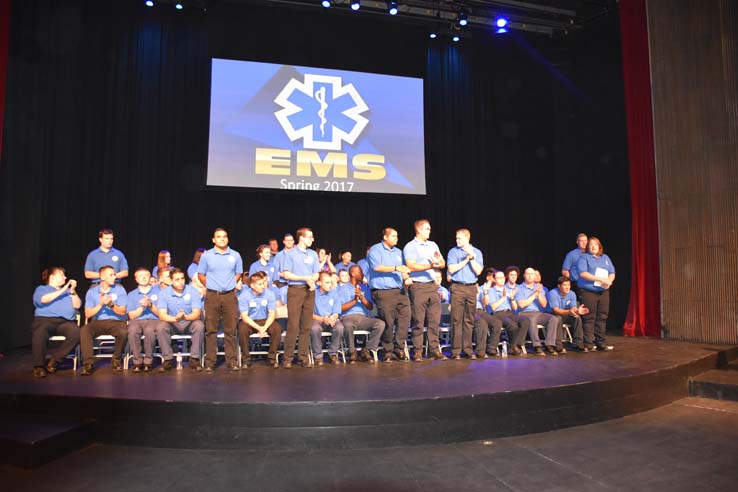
(56, 304)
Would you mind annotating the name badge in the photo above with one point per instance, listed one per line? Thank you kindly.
(154, 297)
(114, 297)
(115, 258)
(308, 260)
(330, 302)
(264, 302)
(187, 297)
(231, 259)
(252, 304)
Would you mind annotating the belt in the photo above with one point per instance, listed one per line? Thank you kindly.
(463, 283)
(299, 286)
(221, 292)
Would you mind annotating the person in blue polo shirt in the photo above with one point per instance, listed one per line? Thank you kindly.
(387, 280)
(258, 306)
(345, 262)
(532, 303)
(105, 310)
(105, 255)
(356, 304)
(564, 304)
(220, 272)
(264, 264)
(143, 317)
(465, 264)
(443, 294)
(56, 303)
(180, 309)
(326, 318)
(300, 269)
(289, 242)
(596, 276)
(422, 257)
(364, 264)
(499, 302)
(570, 267)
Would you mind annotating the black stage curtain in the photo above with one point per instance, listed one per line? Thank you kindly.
(106, 124)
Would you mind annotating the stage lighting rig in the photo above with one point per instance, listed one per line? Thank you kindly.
(392, 7)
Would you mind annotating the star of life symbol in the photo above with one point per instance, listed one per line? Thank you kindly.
(321, 111)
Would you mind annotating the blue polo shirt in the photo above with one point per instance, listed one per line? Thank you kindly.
(590, 263)
(302, 263)
(61, 307)
(220, 269)
(495, 293)
(116, 292)
(188, 300)
(480, 297)
(97, 258)
(340, 266)
(422, 253)
(364, 264)
(134, 298)
(346, 294)
(280, 293)
(443, 294)
(269, 269)
(192, 271)
(327, 303)
(556, 300)
(256, 306)
(571, 261)
(466, 275)
(379, 254)
(278, 260)
(525, 292)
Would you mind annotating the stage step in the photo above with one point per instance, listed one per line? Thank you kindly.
(718, 384)
(29, 441)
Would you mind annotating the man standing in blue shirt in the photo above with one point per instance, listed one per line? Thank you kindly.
(300, 268)
(278, 261)
(564, 304)
(258, 306)
(180, 309)
(220, 272)
(364, 264)
(388, 277)
(105, 255)
(326, 317)
(105, 310)
(356, 303)
(569, 268)
(422, 257)
(144, 316)
(465, 264)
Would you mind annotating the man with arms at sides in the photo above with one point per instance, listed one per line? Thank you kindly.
(105, 255)
(180, 310)
(364, 264)
(325, 318)
(220, 272)
(465, 264)
(564, 304)
(532, 302)
(273, 247)
(143, 318)
(56, 303)
(356, 305)
(500, 304)
(264, 264)
(300, 269)
(422, 257)
(596, 276)
(345, 262)
(569, 268)
(258, 306)
(289, 243)
(105, 310)
(387, 281)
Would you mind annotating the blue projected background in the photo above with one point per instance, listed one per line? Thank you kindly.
(289, 127)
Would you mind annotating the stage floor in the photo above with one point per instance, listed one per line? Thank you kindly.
(361, 382)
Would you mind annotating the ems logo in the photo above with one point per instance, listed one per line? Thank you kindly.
(187, 297)
(321, 111)
(115, 258)
(154, 297)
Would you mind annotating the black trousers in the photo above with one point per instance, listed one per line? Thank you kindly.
(275, 336)
(426, 306)
(220, 307)
(463, 307)
(42, 329)
(95, 328)
(594, 323)
(393, 306)
(300, 306)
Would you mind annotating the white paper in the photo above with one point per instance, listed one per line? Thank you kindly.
(600, 272)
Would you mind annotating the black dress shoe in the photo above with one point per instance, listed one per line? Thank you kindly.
(166, 366)
(418, 357)
(116, 365)
(86, 370)
(605, 348)
(194, 365)
(539, 351)
(333, 359)
(551, 350)
(352, 358)
(138, 368)
(210, 369)
(39, 372)
(439, 356)
(51, 366)
(473, 357)
(234, 368)
(456, 357)
(388, 357)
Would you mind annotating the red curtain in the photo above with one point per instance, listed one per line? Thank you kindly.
(4, 41)
(644, 310)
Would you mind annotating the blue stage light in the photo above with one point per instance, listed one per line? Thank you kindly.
(501, 30)
(501, 22)
(392, 7)
(326, 3)
(149, 3)
(178, 6)
(463, 20)
(355, 4)
(455, 39)
(433, 35)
